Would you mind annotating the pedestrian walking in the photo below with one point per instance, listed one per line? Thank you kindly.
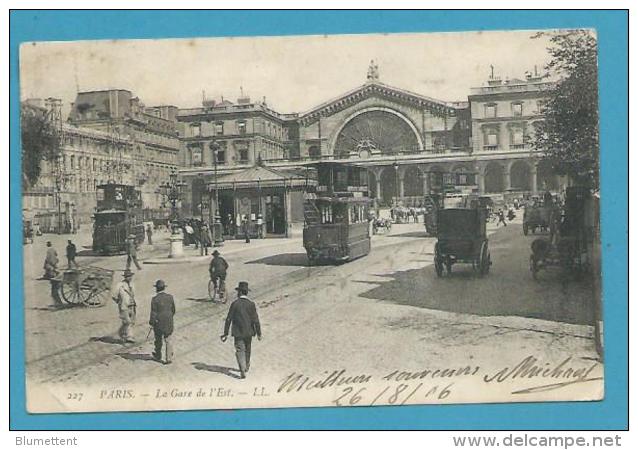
(245, 228)
(501, 218)
(206, 239)
(260, 226)
(50, 262)
(149, 234)
(162, 312)
(131, 252)
(124, 296)
(71, 252)
(56, 284)
(243, 317)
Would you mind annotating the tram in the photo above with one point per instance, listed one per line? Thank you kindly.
(118, 215)
(336, 227)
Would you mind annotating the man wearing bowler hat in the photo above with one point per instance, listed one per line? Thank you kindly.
(242, 314)
(162, 312)
(124, 296)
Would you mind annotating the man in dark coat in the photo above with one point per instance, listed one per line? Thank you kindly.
(217, 269)
(71, 252)
(242, 315)
(162, 312)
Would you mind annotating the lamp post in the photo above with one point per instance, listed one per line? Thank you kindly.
(217, 226)
(172, 190)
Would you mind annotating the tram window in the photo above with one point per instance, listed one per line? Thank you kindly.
(326, 214)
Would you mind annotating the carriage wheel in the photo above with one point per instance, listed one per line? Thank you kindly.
(525, 229)
(438, 261)
(97, 298)
(74, 293)
(484, 260)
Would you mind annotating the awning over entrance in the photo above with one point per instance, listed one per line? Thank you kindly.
(260, 177)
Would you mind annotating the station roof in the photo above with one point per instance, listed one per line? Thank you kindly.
(262, 177)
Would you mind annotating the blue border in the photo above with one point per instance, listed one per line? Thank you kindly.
(612, 27)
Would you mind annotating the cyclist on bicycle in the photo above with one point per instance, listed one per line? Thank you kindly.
(217, 270)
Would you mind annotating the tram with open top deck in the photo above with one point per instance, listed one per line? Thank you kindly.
(336, 227)
(118, 214)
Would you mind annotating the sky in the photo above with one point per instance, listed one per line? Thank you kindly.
(293, 73)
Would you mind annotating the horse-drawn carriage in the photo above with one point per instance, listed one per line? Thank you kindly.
(462, 238)
(88, 286)
(566, 247)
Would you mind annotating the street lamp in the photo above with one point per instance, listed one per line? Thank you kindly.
(172, 190)
(217, 226)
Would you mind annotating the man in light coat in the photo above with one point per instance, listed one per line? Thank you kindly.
(131, 252)
(124, 296)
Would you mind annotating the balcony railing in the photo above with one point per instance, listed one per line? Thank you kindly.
(490, 148)
(517, 147)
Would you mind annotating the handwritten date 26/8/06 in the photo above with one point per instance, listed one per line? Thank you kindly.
(393, 395)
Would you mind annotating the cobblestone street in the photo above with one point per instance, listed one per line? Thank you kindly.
(386, 311)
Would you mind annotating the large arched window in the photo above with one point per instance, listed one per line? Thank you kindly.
(375, 132)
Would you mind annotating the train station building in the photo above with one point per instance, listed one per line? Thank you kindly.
(411, 144)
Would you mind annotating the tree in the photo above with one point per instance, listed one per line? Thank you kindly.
(568, 135)
(40, 142)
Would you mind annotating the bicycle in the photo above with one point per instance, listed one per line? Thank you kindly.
(217, 289)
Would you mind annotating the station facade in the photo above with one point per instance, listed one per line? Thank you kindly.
(411, 144)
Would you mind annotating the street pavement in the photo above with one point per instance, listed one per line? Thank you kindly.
(385, 311)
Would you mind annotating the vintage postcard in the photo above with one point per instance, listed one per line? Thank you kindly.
(342, 220)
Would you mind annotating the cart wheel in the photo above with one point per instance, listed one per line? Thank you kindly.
(484, 260)
(96, 299)
(212, 292)
(438, 261)
(73, 293)
(525, 229)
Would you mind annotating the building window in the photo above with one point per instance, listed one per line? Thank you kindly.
(491, 139)
(219, 128)
(196, 155)
(243, 155)
(490, 110)
(540, 106)
(314, 152)
(241, 127)
(94, 165)
(517, 109)
(221, 153)
(517, 138)
(196, 130)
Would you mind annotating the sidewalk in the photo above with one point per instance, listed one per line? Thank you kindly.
(191, 254)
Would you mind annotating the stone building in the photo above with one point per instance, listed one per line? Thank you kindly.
(110, 136)
(151, 136)
(88, 158)
(504, 115)
(244, 134)
(410, 143)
